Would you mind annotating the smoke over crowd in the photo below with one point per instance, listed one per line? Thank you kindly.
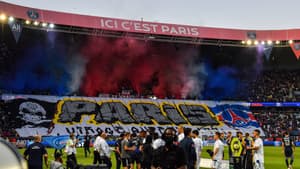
(63, 64)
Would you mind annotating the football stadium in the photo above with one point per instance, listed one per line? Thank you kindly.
(95, 92)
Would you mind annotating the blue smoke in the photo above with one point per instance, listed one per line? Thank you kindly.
(41, 68)
(221, 83)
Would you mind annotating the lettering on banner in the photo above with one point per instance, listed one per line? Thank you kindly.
(89, 129)
(71, 111)
(146, 112)
(173, 114)
(112, 112)
(109, 23)
(147, 27)
(111, 130)
(149, 113)
(125, 25)
(179, 30)
(197, 115)
(114, 116)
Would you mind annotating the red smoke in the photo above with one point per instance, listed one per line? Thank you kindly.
(143, 65)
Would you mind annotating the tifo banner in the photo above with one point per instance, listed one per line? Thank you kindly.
(51, 115)
(235, 116)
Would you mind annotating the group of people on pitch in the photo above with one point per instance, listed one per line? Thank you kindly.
(173, 150)
(146, 150)
(251, 155)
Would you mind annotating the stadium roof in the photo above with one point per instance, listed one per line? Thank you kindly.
(251, 14)
(104, 26)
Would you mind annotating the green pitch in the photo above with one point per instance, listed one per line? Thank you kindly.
(274, 159)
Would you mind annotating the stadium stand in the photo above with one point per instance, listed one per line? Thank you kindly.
(275, 123)
(276, 86)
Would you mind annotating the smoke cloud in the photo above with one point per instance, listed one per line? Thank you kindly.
(113, 63)
(62, 64)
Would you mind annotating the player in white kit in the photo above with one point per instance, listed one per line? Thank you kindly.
(198, 146)
(258, 147)
(218, 152)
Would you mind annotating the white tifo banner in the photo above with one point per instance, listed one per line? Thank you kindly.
(52, 115)
(115, 129)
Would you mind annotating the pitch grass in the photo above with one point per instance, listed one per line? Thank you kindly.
(274, 158)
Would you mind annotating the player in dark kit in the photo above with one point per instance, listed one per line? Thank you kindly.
(188, 146)
(86, 145)
(118, 151)
(288, 148)
(248, 156)
(35, 153)
(135, 155)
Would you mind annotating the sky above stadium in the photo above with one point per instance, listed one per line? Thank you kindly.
(251, 14)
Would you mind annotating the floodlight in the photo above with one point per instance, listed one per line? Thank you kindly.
(51, 25)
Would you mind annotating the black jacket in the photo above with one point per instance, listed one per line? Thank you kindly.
(168, 157)
(188, 147)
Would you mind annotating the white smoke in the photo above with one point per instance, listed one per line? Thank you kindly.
(77, 70)
(195, 81)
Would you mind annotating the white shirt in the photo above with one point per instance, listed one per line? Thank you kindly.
(158, 143)
(56, 165)
(70, 147)
(180, 137)
(96, 143)
(220, 145)
(103, 148)
(198, 145)
(259, 154)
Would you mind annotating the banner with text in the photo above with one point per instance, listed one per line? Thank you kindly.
(51, 115)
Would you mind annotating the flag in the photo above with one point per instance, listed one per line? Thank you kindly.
(16, 28)
(268, 51)
(296, 49)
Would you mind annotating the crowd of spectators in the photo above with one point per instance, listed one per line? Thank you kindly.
(275, 123)
(7, 123)
(268, 86)
(276, 86)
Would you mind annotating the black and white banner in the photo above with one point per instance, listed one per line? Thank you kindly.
(50, 115)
